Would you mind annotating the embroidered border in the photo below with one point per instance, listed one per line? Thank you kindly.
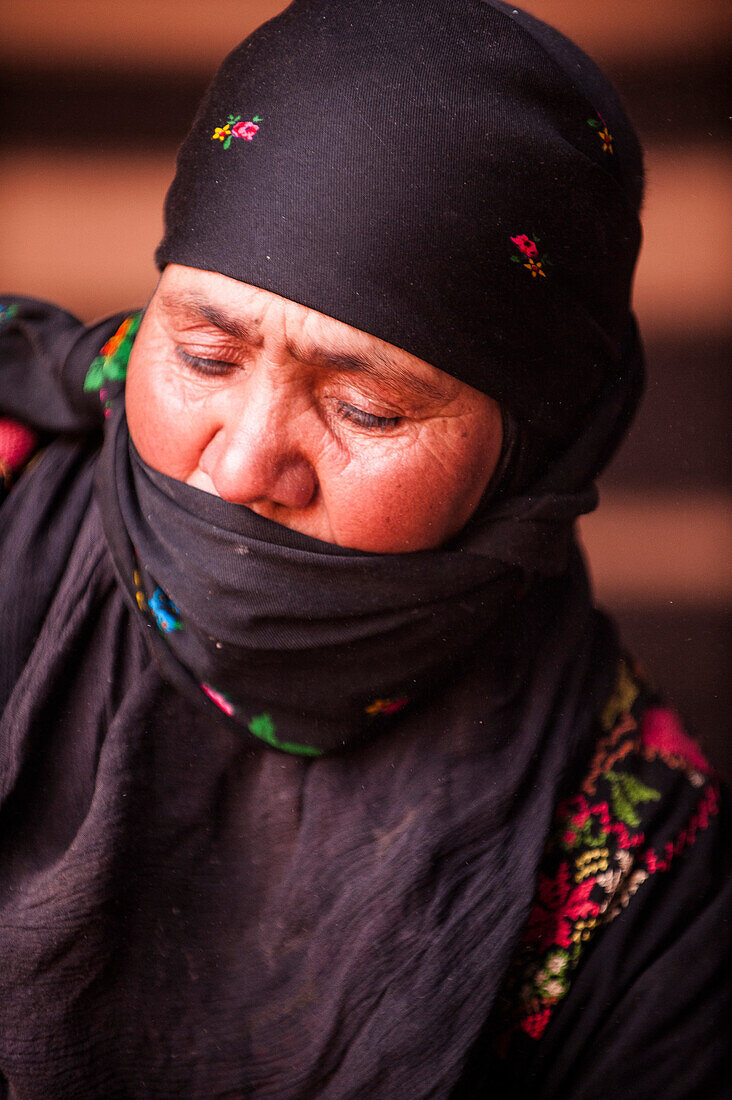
(597, 857)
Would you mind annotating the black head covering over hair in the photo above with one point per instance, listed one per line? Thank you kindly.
(452, 176)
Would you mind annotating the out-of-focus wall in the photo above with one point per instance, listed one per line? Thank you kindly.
(96, 97)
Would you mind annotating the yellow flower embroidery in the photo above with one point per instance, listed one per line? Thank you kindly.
(534, 266)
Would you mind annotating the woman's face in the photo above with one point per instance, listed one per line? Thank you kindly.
(307, 421)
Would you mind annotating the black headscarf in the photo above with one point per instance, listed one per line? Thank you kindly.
(457, 179)
(452, 176)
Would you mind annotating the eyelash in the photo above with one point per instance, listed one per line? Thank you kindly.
(217, 368)
(208, 368)
(367, 420)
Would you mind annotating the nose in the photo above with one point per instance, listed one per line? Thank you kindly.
(255, 455)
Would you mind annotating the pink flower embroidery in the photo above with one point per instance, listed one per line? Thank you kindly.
(220, 700)
(525, 245)
(245, 130)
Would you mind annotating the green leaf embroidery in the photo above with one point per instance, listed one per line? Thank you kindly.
(625, 793)
(263, 727)
(95, 375)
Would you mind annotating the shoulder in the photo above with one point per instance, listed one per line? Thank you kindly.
(633, 869)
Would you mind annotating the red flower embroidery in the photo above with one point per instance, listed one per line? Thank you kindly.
(245, 130)
(525, 245)
(528, 251)
(559, 904)
(535, 1024)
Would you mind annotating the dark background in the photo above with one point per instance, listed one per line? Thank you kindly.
(94, 99)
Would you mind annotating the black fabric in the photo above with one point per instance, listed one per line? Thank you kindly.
(164, 884)
(185, 912)
(402, 145)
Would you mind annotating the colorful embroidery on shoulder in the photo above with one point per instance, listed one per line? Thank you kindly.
(603, 133)
(663, 737)
(529, 257)
(7, 313)
(235, 128)
(18, 444)
(597, 856)
(109, 369)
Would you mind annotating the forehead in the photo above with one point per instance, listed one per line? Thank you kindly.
(193, 298)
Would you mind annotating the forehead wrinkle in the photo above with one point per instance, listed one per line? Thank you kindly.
(375, 366)
(199, 306)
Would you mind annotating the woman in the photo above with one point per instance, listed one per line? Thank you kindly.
(387, 814)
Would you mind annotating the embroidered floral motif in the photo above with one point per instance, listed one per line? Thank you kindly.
(164, 611)
(234, 128)
(529, 251)
(263, 727)
(597, 856)
(664, 738)
(220, 700)
(7, 312)
(603, 133)
(109, 370)
(386, 706)
(246, 130)
(525, 245)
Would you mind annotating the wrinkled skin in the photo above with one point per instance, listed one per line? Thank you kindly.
(307, 421)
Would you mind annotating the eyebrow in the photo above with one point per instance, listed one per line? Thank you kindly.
(375, 366)
(233, 326)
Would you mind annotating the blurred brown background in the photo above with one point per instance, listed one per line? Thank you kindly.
(96, 97)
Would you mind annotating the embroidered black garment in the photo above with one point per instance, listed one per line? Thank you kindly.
(249, 847)
(185, 913)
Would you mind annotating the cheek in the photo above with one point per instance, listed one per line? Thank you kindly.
(167, 433)
(411, 499)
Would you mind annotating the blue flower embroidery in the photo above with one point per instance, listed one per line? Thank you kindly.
(165, 612)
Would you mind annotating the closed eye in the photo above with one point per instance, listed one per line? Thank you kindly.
(366, 419)
(209, 368)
